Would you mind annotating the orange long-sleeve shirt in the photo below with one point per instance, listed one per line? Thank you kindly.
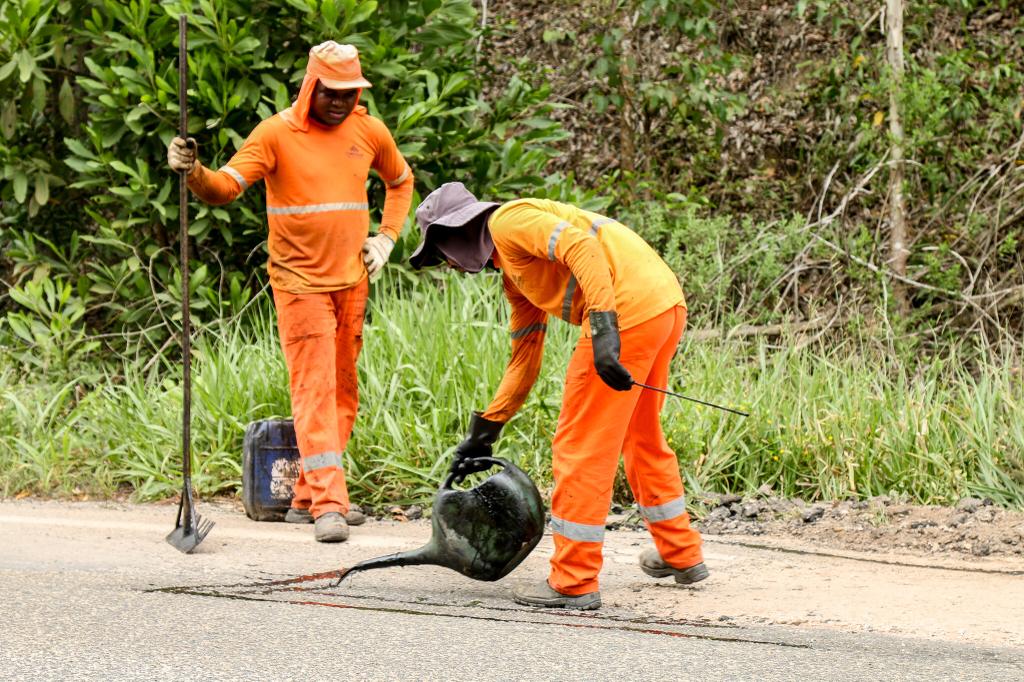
(557, 259)
(317, 206)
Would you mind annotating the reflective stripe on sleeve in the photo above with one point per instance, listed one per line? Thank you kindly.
(400, 179)
(317, 208)
(580, 532)
(321, 461)
(554, 239)
(570, 287)
(596, 225)
(664, 512)
(237, 176)
(570, 291)
(529, 329)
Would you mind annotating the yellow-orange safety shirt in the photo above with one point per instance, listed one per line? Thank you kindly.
(557, 259)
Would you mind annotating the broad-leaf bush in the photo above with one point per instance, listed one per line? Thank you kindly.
(89, 92)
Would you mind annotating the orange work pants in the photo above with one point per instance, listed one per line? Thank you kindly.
(321, 335)
(595, 426)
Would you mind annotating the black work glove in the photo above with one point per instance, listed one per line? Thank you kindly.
(482, 434)
(604, 327)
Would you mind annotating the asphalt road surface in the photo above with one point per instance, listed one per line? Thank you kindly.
(92, 591)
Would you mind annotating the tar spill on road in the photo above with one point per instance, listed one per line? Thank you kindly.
(278, 591)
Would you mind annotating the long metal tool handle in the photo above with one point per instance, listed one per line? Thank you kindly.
(692, 400)
(186, 323)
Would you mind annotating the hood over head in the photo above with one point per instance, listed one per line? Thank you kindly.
(337, 67)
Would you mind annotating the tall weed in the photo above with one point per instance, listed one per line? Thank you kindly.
(825, 423)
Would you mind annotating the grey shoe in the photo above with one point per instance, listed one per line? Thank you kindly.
(298, 516)
(653, 565)
(354, 517)
(330, 527)
(544, 595)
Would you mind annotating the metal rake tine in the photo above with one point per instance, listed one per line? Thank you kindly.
(202, 527)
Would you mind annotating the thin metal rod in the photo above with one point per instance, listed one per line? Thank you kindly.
(692, 400)
(186, 323)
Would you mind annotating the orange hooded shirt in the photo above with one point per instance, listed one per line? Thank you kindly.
(317, 206)
(557, 259)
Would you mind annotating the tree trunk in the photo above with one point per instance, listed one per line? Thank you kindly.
(627, 145)
(898, 250)
(619, 19)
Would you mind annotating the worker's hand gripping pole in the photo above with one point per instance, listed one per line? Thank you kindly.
(190, 528)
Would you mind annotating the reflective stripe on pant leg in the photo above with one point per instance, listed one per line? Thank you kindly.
(651, 466)
(321, 461)
(585, 453)
(665, 511)
(580, 532)
(326, 474)
(307, 324)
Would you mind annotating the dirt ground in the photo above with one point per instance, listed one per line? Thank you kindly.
(973, 528)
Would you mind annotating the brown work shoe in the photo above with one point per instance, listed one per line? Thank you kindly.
(542, 594)
(330, 527)
(653, 565)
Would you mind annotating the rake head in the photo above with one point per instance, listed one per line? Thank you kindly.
(190, 528)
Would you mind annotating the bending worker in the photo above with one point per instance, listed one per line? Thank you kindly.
(315, 157)
(589, 270)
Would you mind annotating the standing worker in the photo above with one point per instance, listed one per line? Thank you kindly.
(589, 270)
(315, 157)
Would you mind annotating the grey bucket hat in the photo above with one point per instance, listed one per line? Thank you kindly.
(452, 224)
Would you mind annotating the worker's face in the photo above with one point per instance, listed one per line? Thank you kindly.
(331, 107)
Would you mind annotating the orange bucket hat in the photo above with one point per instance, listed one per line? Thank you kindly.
(337, 67)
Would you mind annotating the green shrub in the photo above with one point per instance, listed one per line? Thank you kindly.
(89, 92)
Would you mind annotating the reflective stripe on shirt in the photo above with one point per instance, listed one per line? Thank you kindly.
(321, 461)
(596, 225)
(554, 239)
(529, 329)
(570, 287)
(400, 179)
(666, 511)
(570, 291)
(317, 208)
(237, 176)
(580, 532)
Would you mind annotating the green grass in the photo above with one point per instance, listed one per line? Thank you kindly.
(824, 424)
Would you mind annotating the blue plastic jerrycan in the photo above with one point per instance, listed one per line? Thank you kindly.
(270, 468)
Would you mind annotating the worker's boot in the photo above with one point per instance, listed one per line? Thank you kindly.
(298, 516)
(542, 594)
(653, 565)
(354, 517)
(330, 527)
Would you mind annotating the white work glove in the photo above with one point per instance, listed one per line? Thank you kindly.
(181, 155)
(376, 250)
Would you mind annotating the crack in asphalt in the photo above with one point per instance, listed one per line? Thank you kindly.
(290, 585)
(639, 620)
(207, 592)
